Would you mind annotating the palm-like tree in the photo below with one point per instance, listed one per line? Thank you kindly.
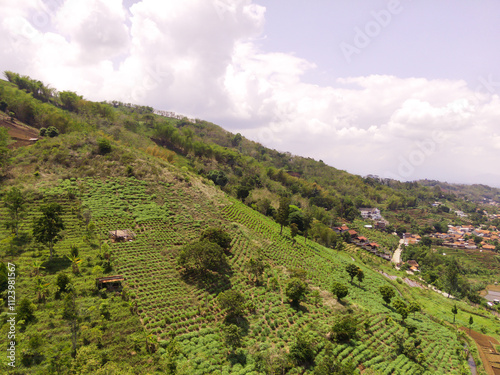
(37, 266)
(75, 261)
(151, 341)
(42, 289)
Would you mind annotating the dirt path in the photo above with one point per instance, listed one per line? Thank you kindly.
(21, 134)
(487, 345)
(396, 257)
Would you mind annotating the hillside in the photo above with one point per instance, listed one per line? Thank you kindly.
(107, 170)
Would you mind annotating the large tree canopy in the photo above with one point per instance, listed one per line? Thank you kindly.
(202, 256)
(46, 228)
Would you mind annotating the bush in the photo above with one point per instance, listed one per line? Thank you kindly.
(218, 177)
(52, 132)
(295, 290)
(339, 290)
(43, 132)
(26, 311)
(217, 236)
(104, 146)
(62, 282)
(303, 349)
(232, 301)
(345, 329)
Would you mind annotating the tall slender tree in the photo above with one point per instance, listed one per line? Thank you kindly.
(283, 212)
(14, 202)
(47, 228)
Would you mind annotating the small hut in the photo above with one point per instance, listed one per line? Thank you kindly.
(110, 282)
(118, 235)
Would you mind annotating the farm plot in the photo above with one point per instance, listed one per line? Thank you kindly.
(324, 265)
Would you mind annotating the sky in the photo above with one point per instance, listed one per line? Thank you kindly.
(402, 89)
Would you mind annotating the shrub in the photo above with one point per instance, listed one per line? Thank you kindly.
(232, 301)
(104, 146)
(62, 282)
(43, 132)
(303, 349)
(52, 131)
(339, 290)
(218, 236)
(345, 329)
(295, 290)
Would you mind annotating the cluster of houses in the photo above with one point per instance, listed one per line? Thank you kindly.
(362, 242)
(375, 215)
(461, 237)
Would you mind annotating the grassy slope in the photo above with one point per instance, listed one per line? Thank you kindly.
(167, 208)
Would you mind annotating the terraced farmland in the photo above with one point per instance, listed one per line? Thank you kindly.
(170, 305)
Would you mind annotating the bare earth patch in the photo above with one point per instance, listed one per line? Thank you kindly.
(19, 133)
(489, 356)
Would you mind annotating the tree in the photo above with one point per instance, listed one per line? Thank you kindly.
(233, 302)
(283, 212)
(297, 217)
(345, 329)
(236, 140)
(47, 227)
(471, 322)
(255, 267)
(63, 282)
(26, 311)
(360, 275)
(232, 335)
(218, 236)
(454, 310)
(104, 146)
(242, 191)
(4, 279)
(70, 314)
(295, 290)
(401, 308)
(303, 349)
(339, 290)
(387, 293)
(414, 307)
(75, 261)
(294, 230)
(340, 246)
(451, 277)
(202, 256)
(70, 100)
(308, 219)
(218, 177)
(42, 290)
(352, 270)
(14, 202)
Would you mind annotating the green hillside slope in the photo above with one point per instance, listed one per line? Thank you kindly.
(107, 174)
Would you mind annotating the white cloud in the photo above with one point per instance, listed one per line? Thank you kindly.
(201, 58)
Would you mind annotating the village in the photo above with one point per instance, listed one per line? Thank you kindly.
(462, 236)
